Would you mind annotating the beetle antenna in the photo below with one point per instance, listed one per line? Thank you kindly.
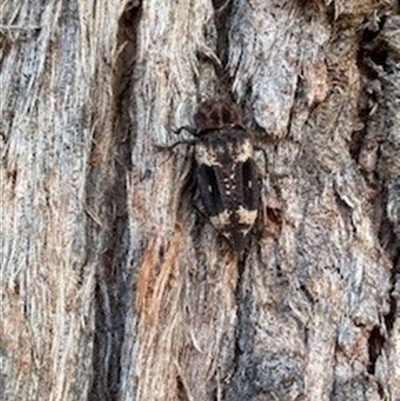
(192, 131)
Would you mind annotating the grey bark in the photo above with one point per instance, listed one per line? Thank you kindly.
(114, 287)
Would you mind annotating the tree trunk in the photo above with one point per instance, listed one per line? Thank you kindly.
(114, 286)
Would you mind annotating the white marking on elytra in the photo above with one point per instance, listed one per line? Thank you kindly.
(246, 216)
(245, 231)
(221, 219)
(204, 156)
(245, 151)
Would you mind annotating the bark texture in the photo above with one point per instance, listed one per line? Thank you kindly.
(114, 287)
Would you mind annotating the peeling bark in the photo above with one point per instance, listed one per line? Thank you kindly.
(114, 286)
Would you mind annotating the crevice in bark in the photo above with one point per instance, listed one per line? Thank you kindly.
(376, 67)
(241, 386)
(221, 17)
(391, 316)
(371, 91)
(112, 278)
(181, 390)
(375, 344)
(376, 63)
(390, 244)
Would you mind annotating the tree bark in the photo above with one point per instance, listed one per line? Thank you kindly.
(114, 286)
